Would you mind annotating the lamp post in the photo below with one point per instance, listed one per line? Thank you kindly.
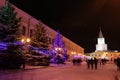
(58, 49)
(26, 42)
(58, 55)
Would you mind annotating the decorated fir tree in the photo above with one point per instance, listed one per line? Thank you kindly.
(40, 45)
(40, 39)
(11, 23)
(59, 49)
(12, 56)
(58, 43)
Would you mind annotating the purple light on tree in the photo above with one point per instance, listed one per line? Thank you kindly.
(60, 52)
(58, 43)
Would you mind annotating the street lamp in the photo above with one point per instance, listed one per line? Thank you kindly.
(58, 49)
(26, 42)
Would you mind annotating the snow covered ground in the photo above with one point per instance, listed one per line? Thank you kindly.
(63, 72)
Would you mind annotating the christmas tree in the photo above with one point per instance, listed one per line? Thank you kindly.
(10, 23)
(40, 45)
(40, 39)
(59, 49)
(12, 56)
(58, 43)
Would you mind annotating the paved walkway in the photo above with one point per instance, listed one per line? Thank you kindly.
(63, 72)
(28, 67)
(109, 66)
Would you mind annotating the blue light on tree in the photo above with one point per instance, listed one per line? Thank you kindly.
(60, 52)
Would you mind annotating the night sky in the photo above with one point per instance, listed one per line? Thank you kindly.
(78, 20)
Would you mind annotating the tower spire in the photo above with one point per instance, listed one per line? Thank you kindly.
(101, 46)
(100, 33)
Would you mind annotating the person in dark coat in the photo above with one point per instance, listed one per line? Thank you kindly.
(92, 63)
(118, 63)
(95, 62)
(88, 63)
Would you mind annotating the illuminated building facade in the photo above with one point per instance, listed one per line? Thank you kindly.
(28, 24)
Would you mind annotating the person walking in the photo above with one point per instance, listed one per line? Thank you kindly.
(118, 63)
(95, 62)
(88, 63)
(91, 63)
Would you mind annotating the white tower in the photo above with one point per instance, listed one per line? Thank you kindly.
(101, 46)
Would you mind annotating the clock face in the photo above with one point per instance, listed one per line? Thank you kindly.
(101, 41)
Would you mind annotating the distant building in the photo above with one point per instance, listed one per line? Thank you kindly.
(28, 24)
(102, 51)
(101, 46)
